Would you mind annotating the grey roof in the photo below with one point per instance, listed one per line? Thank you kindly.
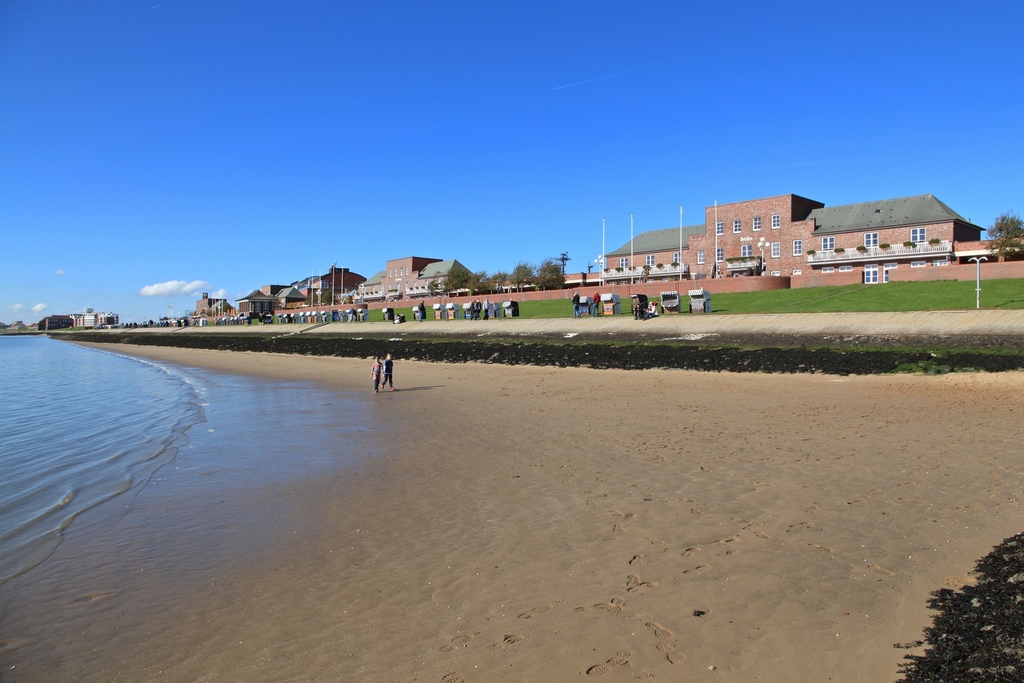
(439, 269)
(885, 213)
(374, 279)
(257, 295)
(290, 293)
(659, 240)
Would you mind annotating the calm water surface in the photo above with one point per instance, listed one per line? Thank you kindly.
(82, 429)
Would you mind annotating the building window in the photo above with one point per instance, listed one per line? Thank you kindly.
(649, 260)
(747, 250)
(798, 272)
(720, 228)
(940, 263)
(918, 264)
(737, 225)
(871, 275)
(828, 269)
(776, 249)
(776, 221)
(719, 254)
(828, 243)
(700, 257)
(675, 257)
(890, 266)
(845, 269)
(918, 235)
(798, 247)
(623, 262)
(757, 223)
(776, 273)
(871, 239)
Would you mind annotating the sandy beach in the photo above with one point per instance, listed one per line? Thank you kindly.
(548, 524)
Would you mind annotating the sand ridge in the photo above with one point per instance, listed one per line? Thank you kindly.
(546, 524)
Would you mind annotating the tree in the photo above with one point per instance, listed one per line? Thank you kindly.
(435, 288)
(550, 275)
(457, 279)
(522, 275)
(477, 281)
(1006, 236)
(499, 281)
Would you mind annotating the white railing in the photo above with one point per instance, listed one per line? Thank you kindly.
(653, 272)
(877, 253)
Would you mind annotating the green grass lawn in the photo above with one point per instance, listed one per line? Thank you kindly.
(944, 295)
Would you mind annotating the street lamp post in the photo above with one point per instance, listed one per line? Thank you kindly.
(977, 279)
(760, 245)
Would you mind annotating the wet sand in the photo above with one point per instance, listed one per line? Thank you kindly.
(531, 523)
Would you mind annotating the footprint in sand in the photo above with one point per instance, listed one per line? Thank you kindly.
(814, 508)
(637, 560)
(597, 670)
(880, 570)
(453, 677)
(659, 630)
(762, 534)
(822, 548)
(621, 658)
(513, 638)
(461, 639)
(633, 583)
(698, 568)
(673, 655)
(7, 646)
(614, 605)
(539, 610)
(691, 551)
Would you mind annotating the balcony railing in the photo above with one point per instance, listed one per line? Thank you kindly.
(654, 273)
(744, 263)
(896, 251)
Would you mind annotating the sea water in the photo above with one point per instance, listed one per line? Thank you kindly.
(83, 429)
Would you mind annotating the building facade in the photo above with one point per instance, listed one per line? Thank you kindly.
(790, 236)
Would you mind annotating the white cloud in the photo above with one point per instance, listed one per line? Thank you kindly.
(39, 308)
(59, 271)
(175, 288)
(17, 307)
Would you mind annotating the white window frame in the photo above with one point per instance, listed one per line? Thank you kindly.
(918, 264)
(871, 274)
(719, 254)
(891, 266)
(845, 269)
(776, 249)
(623, 262)
(942, 262)
(720, 228)
(828, 243)
(700, 257)
(649, 260)
(737, 225)
(870, 239)
(746, 251)
(675, 257)
(798, 247)
(776, 273)
(756, 224)
(776, 221)
(828, 269)
(798, 271)
(919, 235)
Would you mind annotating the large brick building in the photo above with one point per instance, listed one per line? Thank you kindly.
(790, 236)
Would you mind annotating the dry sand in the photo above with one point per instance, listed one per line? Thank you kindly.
(539, 524)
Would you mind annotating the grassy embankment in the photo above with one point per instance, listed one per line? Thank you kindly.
(944, 295)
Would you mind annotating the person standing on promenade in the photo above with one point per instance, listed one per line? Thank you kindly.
(596, 306)
(576, 304)
(375, 373)
(389, 366)
(423, 311)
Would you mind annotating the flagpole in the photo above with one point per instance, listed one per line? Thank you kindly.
(715, 268)
(630, 248)
(602, 265)
(680, 261)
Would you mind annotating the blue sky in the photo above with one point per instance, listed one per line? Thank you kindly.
(153, 149)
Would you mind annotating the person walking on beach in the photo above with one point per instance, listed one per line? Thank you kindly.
(388, 367)
(375, 373)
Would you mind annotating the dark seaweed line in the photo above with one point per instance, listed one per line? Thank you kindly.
(600, 355)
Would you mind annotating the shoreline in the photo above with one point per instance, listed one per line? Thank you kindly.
(545, 523)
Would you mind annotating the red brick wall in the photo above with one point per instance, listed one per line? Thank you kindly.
(989, 271)
(816, 279)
